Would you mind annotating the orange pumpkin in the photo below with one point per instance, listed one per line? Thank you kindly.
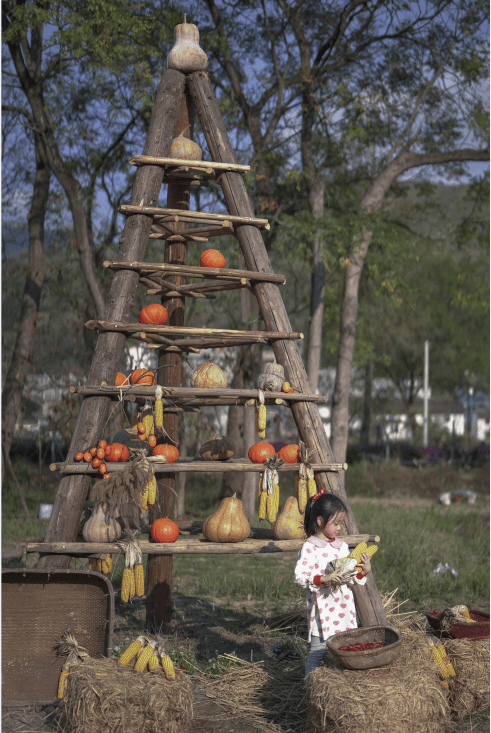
(153, 313)
(116, 452)
(121, 379)
(79, 456)
(142, 377)
(290, 453)
(152, 441)
(169, 452)
(212, 258)
(164, 530)
(260, 452)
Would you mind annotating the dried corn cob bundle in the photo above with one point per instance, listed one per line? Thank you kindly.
(68, 647)
(133, 558)
(144, 499)
(260, 415)
(106, 562)
(260, 486)
(262, 504)
(148, 421)
(440, 657)
(159, 407)
(132, 650)
(152, 490)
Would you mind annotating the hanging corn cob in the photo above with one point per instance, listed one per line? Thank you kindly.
(133, 581)
(68, 647)
(311, 485)
(106, 562)
(269, 490)
(261, 415)
(159, 407)
(148, 420)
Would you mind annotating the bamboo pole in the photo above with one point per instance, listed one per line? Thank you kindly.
(195, 271)
(195, 465)
(171, 162)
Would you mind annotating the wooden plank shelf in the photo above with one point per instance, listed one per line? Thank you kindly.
(194, 465)
(178, 162)
(184, 546)
(198, 234)
(192, 393)
(175, 215)
(131, 328)
(158, 268)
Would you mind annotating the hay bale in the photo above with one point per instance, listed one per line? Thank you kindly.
(469, 689)
(400, 698)
(105, 698)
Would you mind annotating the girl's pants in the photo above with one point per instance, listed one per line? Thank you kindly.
(317, 649)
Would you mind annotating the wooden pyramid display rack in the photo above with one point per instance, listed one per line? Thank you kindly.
(171, 114)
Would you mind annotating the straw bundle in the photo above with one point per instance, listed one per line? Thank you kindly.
(103, 697)
(401, 699)
(469, 689)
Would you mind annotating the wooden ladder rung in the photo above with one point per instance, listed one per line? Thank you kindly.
(234, 465)
(180, 163)
(194, 394)
(159, 268)
(201, 216)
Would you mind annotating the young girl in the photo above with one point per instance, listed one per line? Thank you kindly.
(329, 609)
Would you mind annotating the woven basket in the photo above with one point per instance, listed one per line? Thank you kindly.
(368, 658)
(478, 630)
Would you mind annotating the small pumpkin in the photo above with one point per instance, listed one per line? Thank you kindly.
(142, 377)
(289, 523)
(120, 379)
(212, 258)
(228, 523)
(153, 313)
(101, 526)
(290, 453)
(186, 55)
(164, 530)
(217, 448)
(183, 148)
(260, 452)
(116, 453)
(169, 452)
(209, 375)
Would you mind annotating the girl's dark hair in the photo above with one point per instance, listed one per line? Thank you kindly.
(325, 506)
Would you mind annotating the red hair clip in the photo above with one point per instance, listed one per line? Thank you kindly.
(316, 496)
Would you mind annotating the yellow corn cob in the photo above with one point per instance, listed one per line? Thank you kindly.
(131, 652)
(106, 564)
(440, 657)
(153, 662)
(271, 508)
(147, 420)
(144, 499)
(370, 552)
(139, 580)
(261, 421)
(144, 658)
(356, 553)
(132, 582)
(168, 667)
(276, 497)
(260, 486)
(302, 495)
(159, 413)
(62, 683)
(126, 585)
(262, 504)
(311, 487)
(152, 490)
(467, 616)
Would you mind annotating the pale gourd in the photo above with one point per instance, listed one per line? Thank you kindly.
(186, 55)
(217, 448)
(228, 523)
(209, 375)
(185, 149)
(289, 523)
(101, 525)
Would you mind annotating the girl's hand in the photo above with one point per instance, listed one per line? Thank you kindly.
(365, 563)
(332, 578)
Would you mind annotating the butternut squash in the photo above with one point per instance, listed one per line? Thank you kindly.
(228, 523)
(289, 524)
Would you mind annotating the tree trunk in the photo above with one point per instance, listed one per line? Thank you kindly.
(314, 346)
(367, 407)
(31, 83)
(26, 332)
